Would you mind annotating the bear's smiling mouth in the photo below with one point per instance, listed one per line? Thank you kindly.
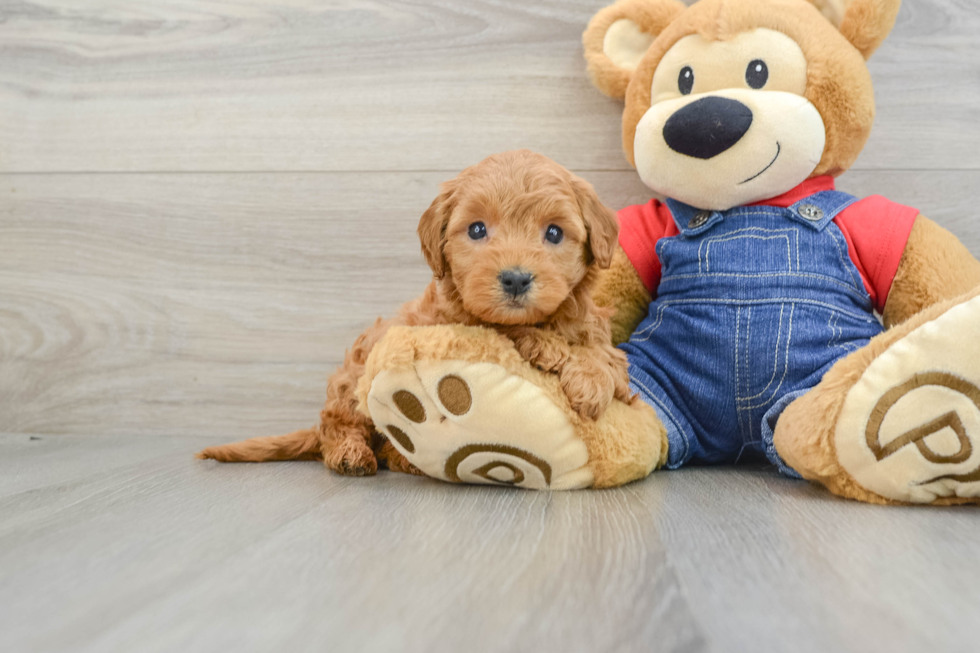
(779, 149)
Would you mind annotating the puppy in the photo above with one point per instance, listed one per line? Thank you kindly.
(514, 243)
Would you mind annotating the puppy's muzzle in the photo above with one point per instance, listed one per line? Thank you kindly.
(515, 282)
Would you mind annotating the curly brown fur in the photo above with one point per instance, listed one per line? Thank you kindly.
(621, 289)
(555, 324)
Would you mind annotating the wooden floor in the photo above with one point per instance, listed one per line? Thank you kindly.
(202, 203)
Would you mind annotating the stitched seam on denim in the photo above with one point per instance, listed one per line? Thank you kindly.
(747, 356)
(858, 285)
(789, 340)
(770, 444)
(738, 373)
(753, 302)
(747, 384)
(710, 242)
(789, 214)
(765, 230)
(648, 331)
(831, 322)
(777, 212)
(658, 250)
(837, 335)
(670, 414)
(834, 338)
(745, 445)
(783, 214)
(801, 275)
(738, 379)
(731, 235)
(775, 360)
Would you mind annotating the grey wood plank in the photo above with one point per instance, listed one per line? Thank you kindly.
(388, 85)
(179, 554)
(179, 304)
(173, 554)
(33, 462)
(815, 573)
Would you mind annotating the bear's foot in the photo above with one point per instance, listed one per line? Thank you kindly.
(462, 405)
(477, 423)
(909, 429)
(899, 421)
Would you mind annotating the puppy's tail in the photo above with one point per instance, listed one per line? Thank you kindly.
(298, 445)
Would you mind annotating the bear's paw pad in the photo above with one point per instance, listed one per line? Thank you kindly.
(478, 423)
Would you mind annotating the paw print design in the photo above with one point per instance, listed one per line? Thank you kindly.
(909, 429)
(478, 423)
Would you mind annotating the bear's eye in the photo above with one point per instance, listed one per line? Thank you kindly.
(477, 231)
(757, 74)
(553, 234)
(685, 81)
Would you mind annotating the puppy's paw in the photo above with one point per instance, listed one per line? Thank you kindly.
(619, 368)
(351, 457)
(589, 386)
(395, 462)
(545, 350)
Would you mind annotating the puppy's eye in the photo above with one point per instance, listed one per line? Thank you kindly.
(685, 81)
(757, 74)
(478, 231)
(553, 234)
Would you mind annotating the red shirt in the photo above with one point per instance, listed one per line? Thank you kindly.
(876, 231)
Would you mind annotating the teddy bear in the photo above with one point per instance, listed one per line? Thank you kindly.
(765, 315)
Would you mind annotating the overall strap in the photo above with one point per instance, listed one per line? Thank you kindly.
(693, 221)
(820, 209)
(816, 212)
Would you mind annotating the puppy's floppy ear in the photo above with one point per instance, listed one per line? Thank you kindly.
(432, 229)
(601, 223)
(865, 23)
(619, 36)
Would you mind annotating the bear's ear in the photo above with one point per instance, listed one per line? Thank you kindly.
(865, 23)
(619, 36)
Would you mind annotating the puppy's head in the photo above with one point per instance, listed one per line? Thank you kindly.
(516, 236)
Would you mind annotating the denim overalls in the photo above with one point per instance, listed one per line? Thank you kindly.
(754, 305)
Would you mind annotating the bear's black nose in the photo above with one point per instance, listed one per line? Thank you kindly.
(706, 128)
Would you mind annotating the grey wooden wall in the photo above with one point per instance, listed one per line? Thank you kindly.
(202, 203)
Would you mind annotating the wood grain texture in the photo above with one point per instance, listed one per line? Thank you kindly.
(135, 546)
(388, 85)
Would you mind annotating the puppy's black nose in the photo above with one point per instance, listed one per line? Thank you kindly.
(706, 128)
(515, 282)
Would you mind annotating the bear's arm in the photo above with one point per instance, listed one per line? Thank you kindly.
(620, 287)
(935, 266)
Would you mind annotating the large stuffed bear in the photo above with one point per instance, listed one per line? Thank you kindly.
(747, 301)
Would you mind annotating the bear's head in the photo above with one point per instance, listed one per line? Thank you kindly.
(730, 102)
